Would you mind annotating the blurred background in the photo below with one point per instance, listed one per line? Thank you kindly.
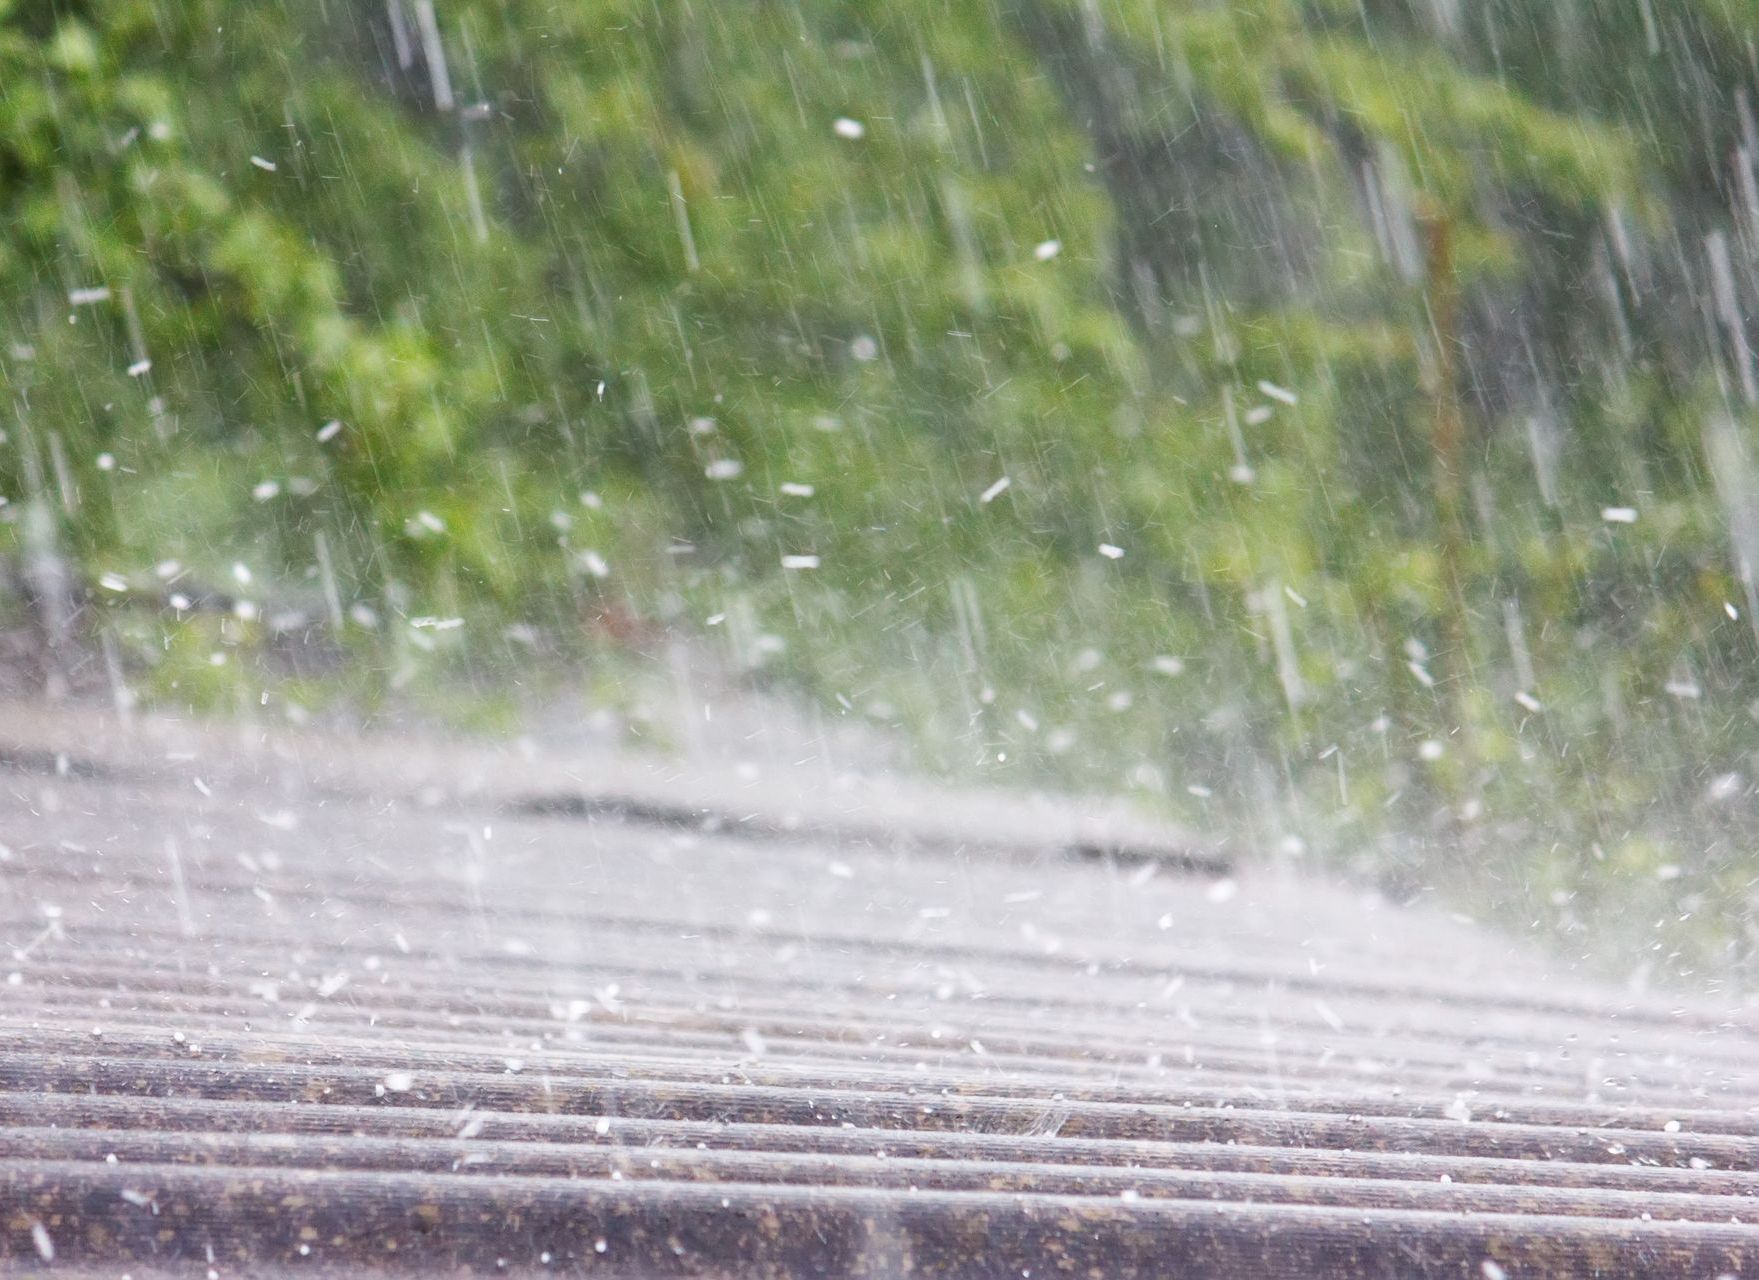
(1331, 422)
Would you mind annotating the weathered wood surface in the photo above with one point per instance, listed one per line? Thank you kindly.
(277, 1003)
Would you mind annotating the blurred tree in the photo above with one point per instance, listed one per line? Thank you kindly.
(1101, 359)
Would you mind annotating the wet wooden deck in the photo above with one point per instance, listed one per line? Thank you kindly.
(281, 1004)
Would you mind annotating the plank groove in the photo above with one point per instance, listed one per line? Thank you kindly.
(333, 1011)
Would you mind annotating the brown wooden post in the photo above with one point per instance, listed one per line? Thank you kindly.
(1447, 442)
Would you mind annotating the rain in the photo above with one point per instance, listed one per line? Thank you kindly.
(1312, 439)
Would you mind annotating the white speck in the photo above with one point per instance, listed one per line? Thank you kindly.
(87, 296)
(799, 562)
(267, 166)
(844, 127)
(113, 582)
(1223, 891)
(1688, 689)
(1459, 1110)
(1047, 249)
(431, 522)
(1328, 1015)
(1731, 610)
(1257, 415)
(106, 462)
(724, 469)
(139, 1199)
(599, 1245)
(1421, 672)
(1167, 665)
(1490, 1270)
(1672, 1126)
(40, 1238)
(436, 624)
(1240, 473)
(1528, 701)
(1294, 595)
(1619, 515)
(266, 490)
(842, 870)
(753, 1042)
(864, 349)
(795, 490)
(1110, 552)
(399, 1082)
(594, 564)
(241, 572)
(995, 491)
(329, 431)
(1278, 393)
(1060, 739)
(1725, 786)
(1431, 750)
(1669, 871)
(139, 367)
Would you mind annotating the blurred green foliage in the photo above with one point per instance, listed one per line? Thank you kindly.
(480, 334)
